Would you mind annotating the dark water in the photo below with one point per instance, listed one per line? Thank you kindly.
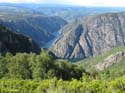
(48, 44)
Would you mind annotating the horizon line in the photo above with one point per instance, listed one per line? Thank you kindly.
(62, 4)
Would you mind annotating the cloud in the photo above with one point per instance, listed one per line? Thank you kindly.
(22, 1)
(74, 2)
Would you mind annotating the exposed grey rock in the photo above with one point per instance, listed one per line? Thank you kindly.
(91, 36)
(109, 61)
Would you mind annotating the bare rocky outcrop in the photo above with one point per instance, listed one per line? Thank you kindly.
(109, 61)
(91, 36)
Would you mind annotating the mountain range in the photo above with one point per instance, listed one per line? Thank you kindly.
(38, 26)
(70, 32)
(91, 36)
(61, 49)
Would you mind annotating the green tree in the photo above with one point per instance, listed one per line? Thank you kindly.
(44, 62)
(3, 67)
(18, 67)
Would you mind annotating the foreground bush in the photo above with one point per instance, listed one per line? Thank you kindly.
(59, 86)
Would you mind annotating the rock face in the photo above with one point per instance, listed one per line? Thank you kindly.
(109, 61)
(12, 42)
(91, 36)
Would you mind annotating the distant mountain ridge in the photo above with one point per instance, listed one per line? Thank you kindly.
(43, 22)
(91, 36)
(29, 22)
(67, 12)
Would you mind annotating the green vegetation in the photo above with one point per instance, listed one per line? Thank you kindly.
(112, 72)
(116, 70)
(14, 42)
(38, 67)
(85, 85)
(89, 62)
(32, 73)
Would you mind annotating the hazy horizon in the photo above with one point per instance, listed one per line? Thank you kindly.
(104, 3)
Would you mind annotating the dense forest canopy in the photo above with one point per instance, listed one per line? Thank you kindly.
(33, 73)
(38, 67)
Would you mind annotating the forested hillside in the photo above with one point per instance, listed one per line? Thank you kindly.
(14, 42)
(31, 73)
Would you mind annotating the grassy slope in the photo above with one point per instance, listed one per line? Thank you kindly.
(89, 62)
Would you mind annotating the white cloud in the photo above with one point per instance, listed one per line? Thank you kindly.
(98, 2)
(76, 2)
(21, 1)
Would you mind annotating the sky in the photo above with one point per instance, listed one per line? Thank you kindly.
(111, 3)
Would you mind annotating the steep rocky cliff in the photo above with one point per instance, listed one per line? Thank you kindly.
(13, 42)
(90, 36)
